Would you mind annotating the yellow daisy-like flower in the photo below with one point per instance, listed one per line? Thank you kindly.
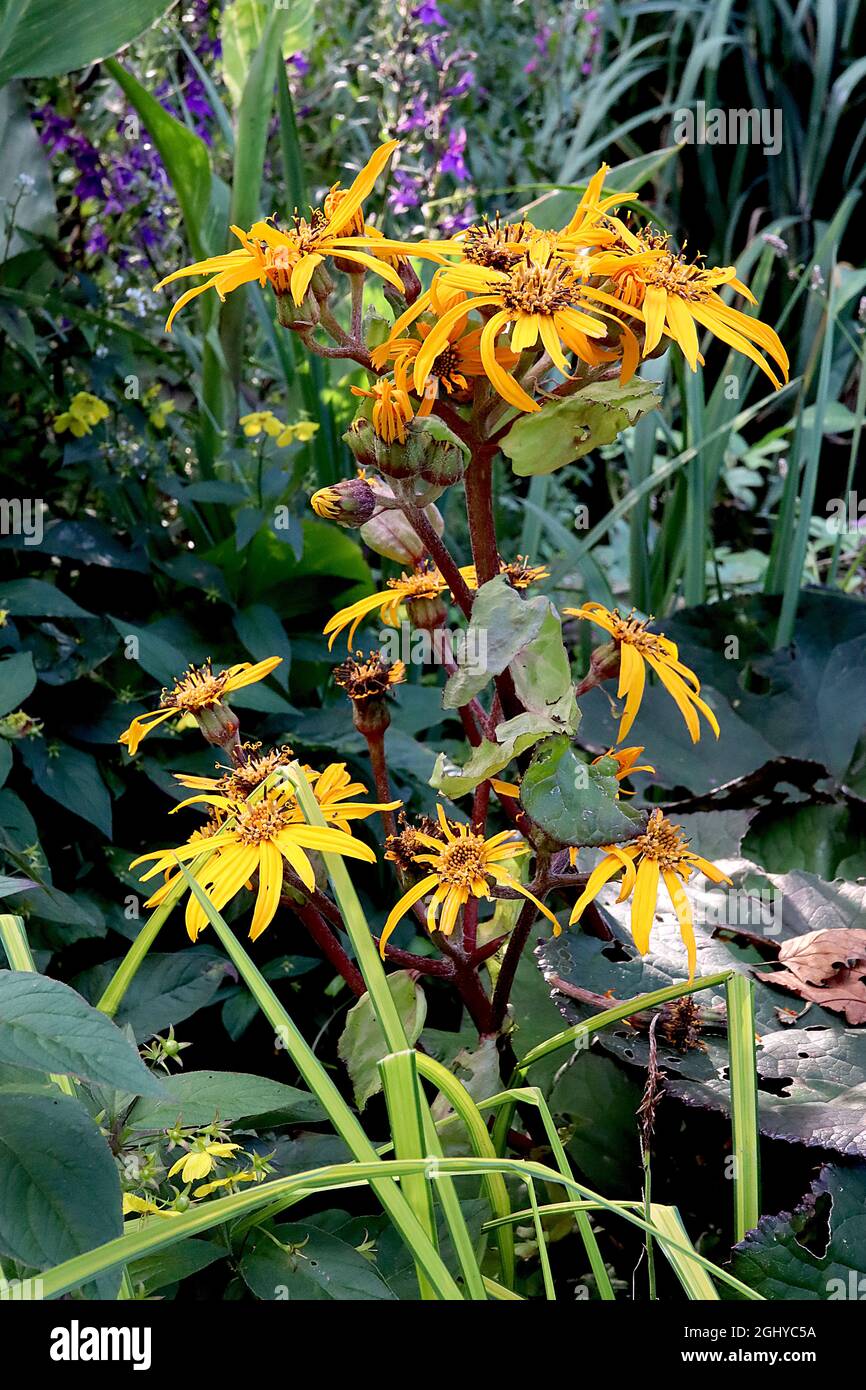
(409, 588)
(265, 833)
(539, 298)
(198, 690)
(637, 646)
(288, 259)
(674, 295)
(462, 862)
(200, 1161)
(454, 367)
(661, 852)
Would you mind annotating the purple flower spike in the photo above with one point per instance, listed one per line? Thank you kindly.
(452, 161)
(430, 13)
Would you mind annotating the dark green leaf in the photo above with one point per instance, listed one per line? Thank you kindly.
(46, 1026)
(59, 1185)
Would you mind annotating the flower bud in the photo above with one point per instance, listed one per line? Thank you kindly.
(361, 439)
(390, 533)
(218, 724)
(350, 502)
(427, 613)
(300, 317)
(444, 463)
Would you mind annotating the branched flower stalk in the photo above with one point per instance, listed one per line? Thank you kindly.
(514, 322)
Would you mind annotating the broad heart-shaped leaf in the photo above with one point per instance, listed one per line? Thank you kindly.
(72, 777)
(502, 624)
(309, 1264)
(574, 802)
(812, 1071)
(362, 1042)
(197, 1097)
(59, 1185)
(560, 433)
(816, 1251)
(36, 598)
(48, 39)
(168, 987)
(542, 676)
(46, 1026)
(17, 679)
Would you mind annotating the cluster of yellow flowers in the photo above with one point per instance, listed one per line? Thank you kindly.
(508, 304)
(84, 411)
(265, 422)
(595, 289)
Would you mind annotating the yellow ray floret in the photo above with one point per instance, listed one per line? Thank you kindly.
(423, 584)
(462, 862)
(265, 835)
(638, 646)
(662, 852)
(199, 689)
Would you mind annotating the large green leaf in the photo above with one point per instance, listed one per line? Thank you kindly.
(72, 777)
(816, 1251)
(197, 1097)
(811, 1074)
(573, 427)
(168, 987)
(59, 1185)
(46, 1026)
(574, 802)
(303, 1262)
(242, 28)
(362, 1043)
(17, 679)
(513, 737)
(39, 38)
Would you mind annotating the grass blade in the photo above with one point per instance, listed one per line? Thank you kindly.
(744, 1104)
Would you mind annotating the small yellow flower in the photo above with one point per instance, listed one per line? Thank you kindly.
(288, 259)
(261, 421)
(675, 296)
(333, 789)
(539, 298)
(85, 411)
(200, 689)
(662, 851)
(144, 1206)
(217, 1183)
(392, 408)
(462, 861)
(636, 646)
(301, 432)
(452, 370)
(200, 1160)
